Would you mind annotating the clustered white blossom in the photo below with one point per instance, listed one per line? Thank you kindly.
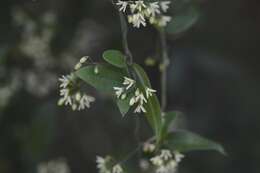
(54, 166)
(105, 165)
(166, 161)
(76, 99)
(139, 98)
(139, 12)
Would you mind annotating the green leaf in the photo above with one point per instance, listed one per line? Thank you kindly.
(168, 118)
(183, 20)
(115, 58)
(152, 106)
(123, 105)
(184, 141)
(107, 77)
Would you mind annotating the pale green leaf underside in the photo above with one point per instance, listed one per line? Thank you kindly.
(115, 58)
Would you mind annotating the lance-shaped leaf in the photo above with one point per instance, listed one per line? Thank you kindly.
(184, 141)
(115, 57)
(152, 106)
(167, 120)
(103, 79)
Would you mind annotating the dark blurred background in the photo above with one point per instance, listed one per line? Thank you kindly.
(213, 81)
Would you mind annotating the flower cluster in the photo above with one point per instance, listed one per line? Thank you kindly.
(166, 161)
(105, 165)
(139, 97)
(54, 166)
(140, 12)
(69, 92)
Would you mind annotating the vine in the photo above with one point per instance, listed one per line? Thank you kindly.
(133, 93)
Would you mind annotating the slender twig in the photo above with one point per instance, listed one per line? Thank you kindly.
(124, 29)
(129, 62)
(165, 63)
(131, 154)
(137, 149)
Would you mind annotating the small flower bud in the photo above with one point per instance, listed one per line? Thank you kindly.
(78, 96)
(84, 59)
(123, 96)
(74, 107)
(96, 70)
(61, 102)
(78, 66)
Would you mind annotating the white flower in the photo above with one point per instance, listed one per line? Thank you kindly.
(137, 20)
(54, 166)
(162, 169)
(144, 164)
(157, 161)
(119, 91)
(162, 22)
(64, 92)
(102, 165)
(117, 169)
(85, 102)
(178, 156)
(138, 5)
(140, 98)
(100, 162)
(132, 101)
(65, 81)
(123, 5)
(169, 167)
(69, 96)
(166, 154)
(164, 162)
(66, 99)
(172, 165)
(149, 92)
(140, 109)
(165, 5)
(129, 82)
(153, 9)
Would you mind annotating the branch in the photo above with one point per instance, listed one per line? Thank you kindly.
(124, 29)
(165, 63)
